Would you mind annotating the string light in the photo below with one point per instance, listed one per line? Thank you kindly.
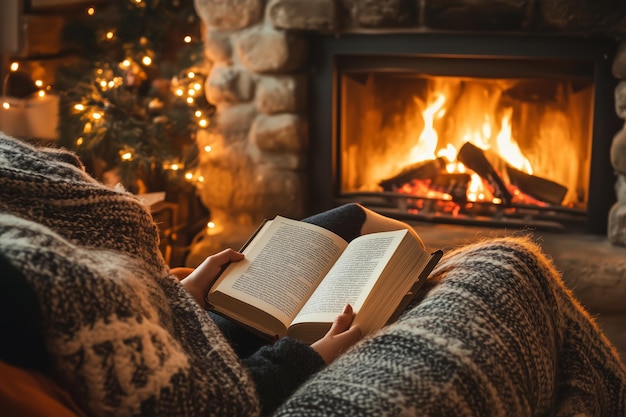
(15, 66)
(6, 105)
(187, 39)
(91, 11)
(146, 60)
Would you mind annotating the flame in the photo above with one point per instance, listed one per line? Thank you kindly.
(426, 144)
(481, 135)
(508, 148)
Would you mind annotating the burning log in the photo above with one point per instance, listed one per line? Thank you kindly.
(454, 184)
(418, 171)
(473, 157)
(537, 187)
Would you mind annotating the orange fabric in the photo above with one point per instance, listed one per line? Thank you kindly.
(31, 394)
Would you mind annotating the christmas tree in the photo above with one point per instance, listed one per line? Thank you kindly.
(132, 105)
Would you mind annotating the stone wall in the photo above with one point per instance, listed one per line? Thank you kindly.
(257, 50)
(617, 215)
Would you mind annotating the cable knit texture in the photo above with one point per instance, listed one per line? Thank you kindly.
(125, 337)
(497, 334)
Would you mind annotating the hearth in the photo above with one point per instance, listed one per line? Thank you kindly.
(493, 130)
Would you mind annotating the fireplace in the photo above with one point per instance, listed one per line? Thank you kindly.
(493, 130)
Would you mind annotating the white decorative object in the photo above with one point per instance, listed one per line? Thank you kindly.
(36, 117)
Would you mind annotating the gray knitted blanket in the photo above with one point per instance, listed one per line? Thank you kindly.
(497, 333)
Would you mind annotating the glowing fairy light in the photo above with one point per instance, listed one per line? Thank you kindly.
(200, 179)
(127, 156)
(15, 66)
(198, 113)
(39, 83)
(80, 141)
(91, 11)
(79, 107)
(126, 63)
(203, 123)
(96, 116)
(179, 92)
(6, 105)
(208, 148)
(191, 74)
(187, 39)
(189, 100)
(109, 35)
(41, 93)
(146, 60)
(188, 176)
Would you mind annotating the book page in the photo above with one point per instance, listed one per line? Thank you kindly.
(352, 277)
(282, 267)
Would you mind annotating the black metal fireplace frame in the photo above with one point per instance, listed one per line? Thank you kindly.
(323, 98)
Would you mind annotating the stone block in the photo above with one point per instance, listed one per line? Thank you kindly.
(619, 62)
(310, 15)
(217, 46)
(476, 15)
(234, 120)
(281, 94)
(384, 13)
(229, 84)
(620, 100)
(279, 133)
(617, 224)
(620, 188)
(588, 15)
(263, 49)
(229, 14)
(618, 152)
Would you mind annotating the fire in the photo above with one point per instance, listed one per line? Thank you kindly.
(508, 148)
(426, 144)
(483, 137)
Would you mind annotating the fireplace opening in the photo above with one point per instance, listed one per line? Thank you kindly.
(504, 138)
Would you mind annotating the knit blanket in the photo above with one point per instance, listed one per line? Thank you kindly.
(126, 338)
(496, 334)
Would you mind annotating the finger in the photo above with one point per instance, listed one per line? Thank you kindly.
(342, 322)
(225, 256)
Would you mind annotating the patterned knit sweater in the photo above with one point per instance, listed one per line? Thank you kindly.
(497, 333)
(125, 337)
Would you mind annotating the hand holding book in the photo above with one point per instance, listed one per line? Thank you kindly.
(297, 277)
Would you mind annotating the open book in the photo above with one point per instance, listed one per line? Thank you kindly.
(297, 277)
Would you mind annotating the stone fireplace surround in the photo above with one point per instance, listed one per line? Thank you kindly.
(258, 77)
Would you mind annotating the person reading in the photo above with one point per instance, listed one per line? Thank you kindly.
(494, 332)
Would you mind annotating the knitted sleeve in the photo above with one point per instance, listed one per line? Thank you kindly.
(124, 337)
(280, 368)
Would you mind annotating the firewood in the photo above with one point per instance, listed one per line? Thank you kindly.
(473, 157)
(418, 171)
(540, 188)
